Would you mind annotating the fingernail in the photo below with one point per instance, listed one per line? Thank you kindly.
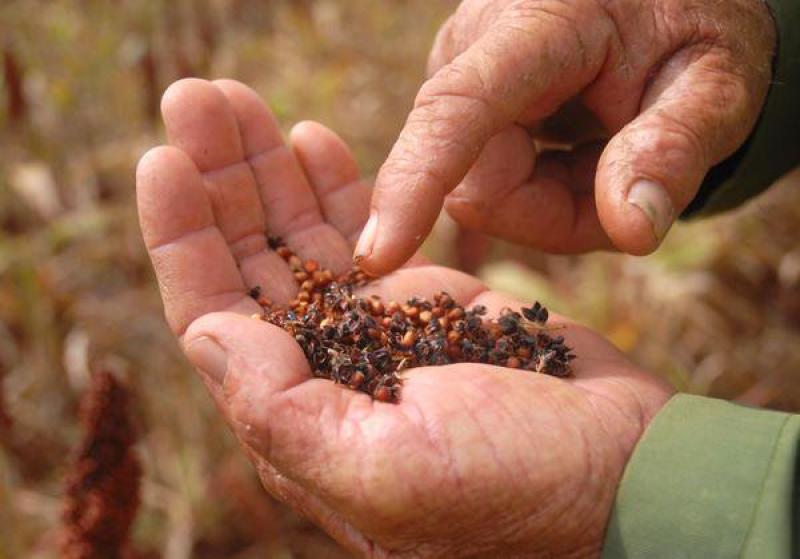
(655, 203)
(209, 357)
(367, 239)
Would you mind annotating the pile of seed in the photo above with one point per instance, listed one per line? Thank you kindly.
(363, 342)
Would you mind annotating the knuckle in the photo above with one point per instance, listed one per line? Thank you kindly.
(669, 137)
(451, 109)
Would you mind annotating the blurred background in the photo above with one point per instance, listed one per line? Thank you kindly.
(715, 311)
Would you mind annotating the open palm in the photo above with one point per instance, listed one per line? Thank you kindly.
(475, 459)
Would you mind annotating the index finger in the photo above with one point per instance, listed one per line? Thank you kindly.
(527, 62)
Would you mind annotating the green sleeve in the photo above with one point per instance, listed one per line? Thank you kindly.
(774, 146)
(709, 480)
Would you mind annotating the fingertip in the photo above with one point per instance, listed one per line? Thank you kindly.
(169, 195)
(161, 157)
(259, 128)
(200, 121)
(306, 129)
(177, 93)
(324, 155)
(636, 218)
(647, 174)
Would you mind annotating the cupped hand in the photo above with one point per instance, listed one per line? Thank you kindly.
(475, 460)
(642, 98)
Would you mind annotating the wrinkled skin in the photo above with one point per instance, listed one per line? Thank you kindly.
(649, 92)
(474, 461)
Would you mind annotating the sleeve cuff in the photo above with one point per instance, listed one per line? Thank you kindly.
(709, 479)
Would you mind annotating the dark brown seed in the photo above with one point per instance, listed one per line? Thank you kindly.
(356, 380)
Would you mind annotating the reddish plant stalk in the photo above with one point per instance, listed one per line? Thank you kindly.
(102, 493)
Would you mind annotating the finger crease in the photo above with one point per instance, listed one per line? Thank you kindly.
(182, 237)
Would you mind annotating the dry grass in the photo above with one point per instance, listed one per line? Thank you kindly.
(717, 310)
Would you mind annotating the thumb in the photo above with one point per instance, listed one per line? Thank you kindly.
(250, 367)
(692, 118)
(525, 63)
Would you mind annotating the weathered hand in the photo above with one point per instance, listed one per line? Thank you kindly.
(474, 461)
(649, 94)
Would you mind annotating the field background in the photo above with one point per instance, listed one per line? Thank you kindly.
(716, 310)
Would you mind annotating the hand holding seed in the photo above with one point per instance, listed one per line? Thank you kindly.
(474, 457)
(647, 95)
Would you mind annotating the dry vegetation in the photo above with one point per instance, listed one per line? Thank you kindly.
(717, 310)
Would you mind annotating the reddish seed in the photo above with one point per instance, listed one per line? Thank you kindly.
(454, 352)
(383, 394)
(319, 278)
(456, 314)
(365, 343)
(376, 307)
(264, 302)
(408, 339)
(410, 312)
(295, 263)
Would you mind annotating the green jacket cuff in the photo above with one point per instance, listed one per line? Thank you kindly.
(773, 148)
(709, 479)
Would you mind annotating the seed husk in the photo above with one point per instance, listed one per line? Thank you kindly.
(364, 343)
